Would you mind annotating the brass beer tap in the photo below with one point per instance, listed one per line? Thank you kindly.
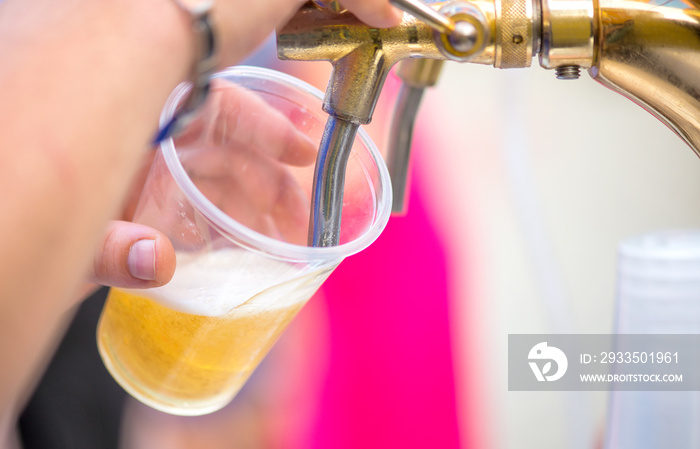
(648, 51)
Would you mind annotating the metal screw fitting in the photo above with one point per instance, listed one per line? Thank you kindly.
(568, 72)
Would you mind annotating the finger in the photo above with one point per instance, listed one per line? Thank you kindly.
(377, 13)
(228, 195)
(133, 256)
(263, 197)
(245, 118)
(266, 183)
(278, 202)
(235, 115)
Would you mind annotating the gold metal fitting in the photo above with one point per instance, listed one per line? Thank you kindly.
(515, 33)
(650, 53)
(568, 32)
(361, 55)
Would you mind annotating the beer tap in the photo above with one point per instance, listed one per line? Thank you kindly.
(646, 50)
(361, 58)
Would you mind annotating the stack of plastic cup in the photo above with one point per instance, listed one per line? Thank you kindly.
(658, 293)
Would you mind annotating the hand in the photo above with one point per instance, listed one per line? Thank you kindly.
(239, 151)
(242, 154)
(137, 256)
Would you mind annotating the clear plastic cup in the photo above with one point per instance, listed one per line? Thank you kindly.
(658, 293)
(233, 195)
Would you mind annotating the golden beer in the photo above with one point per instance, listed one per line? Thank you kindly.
(193, 363)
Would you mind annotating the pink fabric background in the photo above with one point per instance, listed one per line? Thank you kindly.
(390, 381)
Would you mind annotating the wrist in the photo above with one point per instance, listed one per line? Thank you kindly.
(203, 64)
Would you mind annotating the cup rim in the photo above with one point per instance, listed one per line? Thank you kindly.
(253, 239)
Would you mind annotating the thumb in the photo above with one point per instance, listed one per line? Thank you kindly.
(132, 255)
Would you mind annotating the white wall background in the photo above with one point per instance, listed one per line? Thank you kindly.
(536, 181)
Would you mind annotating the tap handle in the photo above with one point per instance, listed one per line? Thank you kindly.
(424, 12)
(463, 35)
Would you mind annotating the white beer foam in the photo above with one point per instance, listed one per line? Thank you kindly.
(212, 284)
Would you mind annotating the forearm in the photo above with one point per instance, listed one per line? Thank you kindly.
(82, 84)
